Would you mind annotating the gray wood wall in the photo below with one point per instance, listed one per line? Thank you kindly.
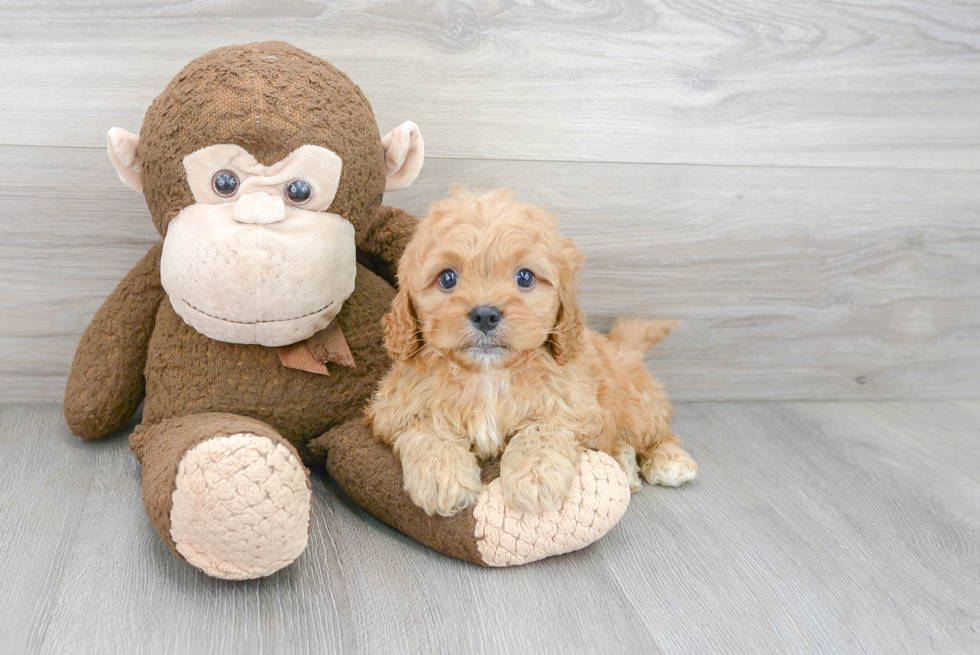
(798, 181)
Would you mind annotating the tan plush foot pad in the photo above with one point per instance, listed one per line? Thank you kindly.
(241, 507)
(597, 500)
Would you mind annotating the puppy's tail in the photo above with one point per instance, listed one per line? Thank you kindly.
(640, 333)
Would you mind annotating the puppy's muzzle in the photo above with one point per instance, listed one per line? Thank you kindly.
(486, 318)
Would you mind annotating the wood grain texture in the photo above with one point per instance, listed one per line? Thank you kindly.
(791, 283)
(796, 181)
(763, 82)
(814, 527)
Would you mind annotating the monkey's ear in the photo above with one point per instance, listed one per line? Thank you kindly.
(124, 153)
(404, 152)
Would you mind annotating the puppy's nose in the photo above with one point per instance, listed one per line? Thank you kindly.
(486, 317)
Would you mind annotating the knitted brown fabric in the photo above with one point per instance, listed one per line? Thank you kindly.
(269, 98)
(371, 474)
(384, 241)
(160, 447)
(188, 373)
(105, 385)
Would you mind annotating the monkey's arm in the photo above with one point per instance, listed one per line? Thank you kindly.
(381, 244)
(106, 382)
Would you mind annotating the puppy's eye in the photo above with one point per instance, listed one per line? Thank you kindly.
(298, 191)
(525, 278)
(447, 279)
(225, 183)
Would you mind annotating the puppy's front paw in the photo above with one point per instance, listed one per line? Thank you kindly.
(536, 482)
(442, 486)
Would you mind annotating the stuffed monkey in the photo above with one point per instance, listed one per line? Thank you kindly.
(253, 335)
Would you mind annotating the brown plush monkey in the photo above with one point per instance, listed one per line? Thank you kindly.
(253, 331)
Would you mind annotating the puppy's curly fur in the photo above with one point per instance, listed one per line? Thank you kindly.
(537, 386)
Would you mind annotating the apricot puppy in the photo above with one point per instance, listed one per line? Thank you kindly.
(492, 356)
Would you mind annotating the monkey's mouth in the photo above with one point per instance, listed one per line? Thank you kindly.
(258, 322)
(247, 284)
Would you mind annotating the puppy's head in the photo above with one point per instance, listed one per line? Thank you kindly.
(484, 281)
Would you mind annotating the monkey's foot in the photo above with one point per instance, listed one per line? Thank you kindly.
(227, 493)
(486, 533)
(241, 507)
(597, 499)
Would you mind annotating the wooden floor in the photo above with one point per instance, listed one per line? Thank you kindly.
(814, 528)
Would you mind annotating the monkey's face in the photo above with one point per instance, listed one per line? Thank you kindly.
(257, 258)
(261, 164)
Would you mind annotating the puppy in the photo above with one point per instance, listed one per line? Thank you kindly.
(492, 356)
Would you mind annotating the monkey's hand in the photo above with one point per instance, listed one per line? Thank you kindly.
(106, 382)
(381, 245)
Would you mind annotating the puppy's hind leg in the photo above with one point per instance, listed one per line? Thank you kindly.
(625, 455)
(667, 464)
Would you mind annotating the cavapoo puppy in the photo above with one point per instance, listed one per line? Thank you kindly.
(492, 356)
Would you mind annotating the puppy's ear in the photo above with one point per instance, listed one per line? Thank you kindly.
(402, 332)
(569, 331)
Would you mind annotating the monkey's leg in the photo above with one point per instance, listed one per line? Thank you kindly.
(227, 493)
(487, 533)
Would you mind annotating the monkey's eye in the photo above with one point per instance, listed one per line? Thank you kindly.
(298, 191)
(225, 183)
(447, 279)
(525, 278)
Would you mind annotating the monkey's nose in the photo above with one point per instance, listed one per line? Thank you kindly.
(486, 318)
(259, 207)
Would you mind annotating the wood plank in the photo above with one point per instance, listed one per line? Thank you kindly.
(792, 83)
(814, 527)
(792, 283)
(359, 587)
(48, 475)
